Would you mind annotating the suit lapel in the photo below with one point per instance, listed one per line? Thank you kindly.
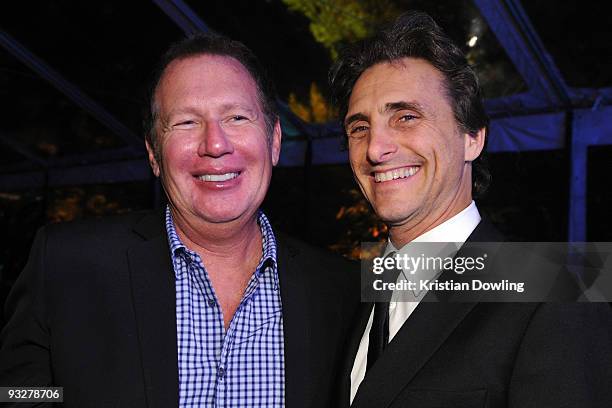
(486, 232)
(153, 293)
(418, 339)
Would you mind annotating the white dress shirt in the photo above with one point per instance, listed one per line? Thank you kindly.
(455, 229)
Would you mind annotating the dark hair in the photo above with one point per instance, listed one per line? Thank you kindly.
(213, 44)
(416, 35)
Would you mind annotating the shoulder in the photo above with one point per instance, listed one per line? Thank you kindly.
(104, 227)
(574, 327)
(316, 264)
(581, 318)
(106, 234)
(568, 344)
(485, 231)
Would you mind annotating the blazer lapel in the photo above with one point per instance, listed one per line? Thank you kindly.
(418, 339)
(154, 294)
(486, 232)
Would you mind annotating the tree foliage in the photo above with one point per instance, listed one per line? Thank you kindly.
(318, 110)
(360, 224)
(337, 22)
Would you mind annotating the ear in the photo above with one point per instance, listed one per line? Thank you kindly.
(277, 135)
(152, 160)
(474, 144)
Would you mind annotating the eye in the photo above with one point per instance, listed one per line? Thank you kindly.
(357, 131)
(237, 118)
(407, 117)
(185, 124)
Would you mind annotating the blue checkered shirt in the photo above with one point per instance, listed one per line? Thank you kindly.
(243, 367)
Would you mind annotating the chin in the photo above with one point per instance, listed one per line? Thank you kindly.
(220, 215)
(393, 216)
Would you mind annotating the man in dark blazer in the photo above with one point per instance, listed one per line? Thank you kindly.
(416, 127)
(201, 304)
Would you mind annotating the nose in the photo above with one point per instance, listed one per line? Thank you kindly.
(215, 142)
(381, 145)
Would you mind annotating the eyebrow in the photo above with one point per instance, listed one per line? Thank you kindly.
(389, 107)
(192, 110)
(231, 106)
(403, 105)
(354, 118)
(180, 111)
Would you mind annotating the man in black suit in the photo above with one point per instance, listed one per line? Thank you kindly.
(203, 304)
(416, 127)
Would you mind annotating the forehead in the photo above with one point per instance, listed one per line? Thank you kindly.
(407, 80)
(206, 77)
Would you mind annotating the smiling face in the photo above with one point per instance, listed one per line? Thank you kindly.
(408, 155)
(214, 155)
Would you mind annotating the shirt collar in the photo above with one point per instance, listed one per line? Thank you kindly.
(268, 258)
(173, 239)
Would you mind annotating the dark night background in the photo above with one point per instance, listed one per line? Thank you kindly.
(108, 48)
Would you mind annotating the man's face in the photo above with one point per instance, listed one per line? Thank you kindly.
(406, 150)
(215, 157)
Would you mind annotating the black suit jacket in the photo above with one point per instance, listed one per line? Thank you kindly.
(94, 312)
(474, 354)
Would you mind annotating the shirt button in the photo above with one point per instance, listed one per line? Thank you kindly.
(392, 305)
(221, 372)
(211, 302)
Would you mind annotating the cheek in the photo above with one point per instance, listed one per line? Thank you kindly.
(250, 142)
(449, 165)
(357, 153)
(256, 157)
(358, 174)
(352, 160)
(176, 161)
(445, 148)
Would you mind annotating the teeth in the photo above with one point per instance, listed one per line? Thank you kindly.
(396, 174)
(218, 177)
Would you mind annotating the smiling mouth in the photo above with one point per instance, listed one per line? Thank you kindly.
(218, 177)
(403, 172)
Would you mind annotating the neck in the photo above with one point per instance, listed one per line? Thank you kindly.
(229, 240)
(402, 234)
(230, 253)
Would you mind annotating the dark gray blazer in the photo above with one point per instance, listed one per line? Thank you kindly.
(94, 312)
(489, 355)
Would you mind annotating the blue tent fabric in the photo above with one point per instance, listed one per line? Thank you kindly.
(293, 153)
(512, 134)
(522, 122)
(520, 133)
(329, 151)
